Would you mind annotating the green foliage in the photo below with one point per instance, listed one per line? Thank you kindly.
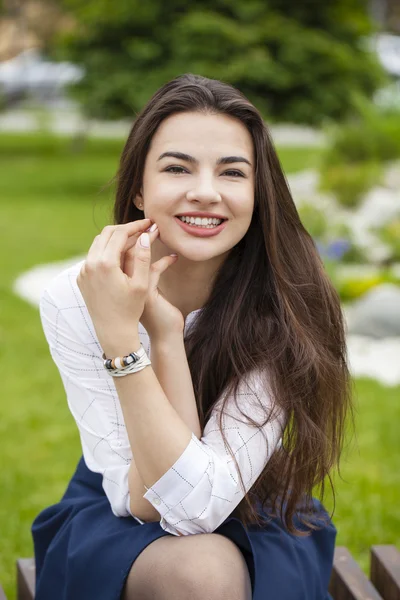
(354, 284)
(355, 254)
(324, 232)
(3, 102)
(353, 288)
(390, 235)
(349, 182)
(314, 220)
(372, 134)
(296, 63)
(354, 159)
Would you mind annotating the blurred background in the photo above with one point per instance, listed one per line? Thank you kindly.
(326, 77)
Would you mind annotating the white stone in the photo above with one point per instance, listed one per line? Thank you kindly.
(378, 359)
(31, 284)
(391, 178)
(379, 206)
(303, 184)
(377, 313)
(374, 249)
(396, 270)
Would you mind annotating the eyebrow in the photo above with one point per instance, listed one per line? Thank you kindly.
(224, 160)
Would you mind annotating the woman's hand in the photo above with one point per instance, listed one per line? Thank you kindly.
(115, 301)
(115, 280)
(160, 318)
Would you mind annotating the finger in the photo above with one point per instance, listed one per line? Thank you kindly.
(133, 227)
(142, 262)
(93, 248)
(131, 242)
(128, 261)
(158, 268)
(113, 253)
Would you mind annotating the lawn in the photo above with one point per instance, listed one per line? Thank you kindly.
(51, 208)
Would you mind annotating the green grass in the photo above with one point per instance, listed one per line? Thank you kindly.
(51, 208)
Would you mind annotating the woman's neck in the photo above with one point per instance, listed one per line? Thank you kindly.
(185, 284)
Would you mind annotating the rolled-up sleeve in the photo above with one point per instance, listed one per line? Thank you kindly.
(202, 488)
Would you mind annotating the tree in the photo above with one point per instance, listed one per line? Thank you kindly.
(298, 62)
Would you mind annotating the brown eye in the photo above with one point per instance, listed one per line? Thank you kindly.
(180, 170)
(233, 173)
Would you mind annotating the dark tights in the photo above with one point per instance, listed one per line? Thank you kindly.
(193, 567)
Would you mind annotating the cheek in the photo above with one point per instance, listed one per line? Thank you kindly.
(163, 191)
(243, 203)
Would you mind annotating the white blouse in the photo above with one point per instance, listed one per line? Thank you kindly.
(202, 488)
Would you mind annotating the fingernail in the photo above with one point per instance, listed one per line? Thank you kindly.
(153, 227)
(173, 254)
(145, 240)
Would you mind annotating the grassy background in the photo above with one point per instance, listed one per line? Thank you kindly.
(51, 208)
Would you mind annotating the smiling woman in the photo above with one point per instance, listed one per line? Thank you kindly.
(241, 410)
(189, 170)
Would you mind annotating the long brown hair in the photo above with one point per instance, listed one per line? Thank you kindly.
(272, 308)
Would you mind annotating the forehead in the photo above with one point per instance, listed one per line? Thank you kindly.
(198, 133)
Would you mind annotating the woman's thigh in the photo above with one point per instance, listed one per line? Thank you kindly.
(205, 566)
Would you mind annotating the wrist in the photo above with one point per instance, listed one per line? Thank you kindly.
(171, 340)
(121, 346)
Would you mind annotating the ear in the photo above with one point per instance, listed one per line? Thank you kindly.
(138, 200)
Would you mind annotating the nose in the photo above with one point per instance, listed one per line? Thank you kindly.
(204, 191)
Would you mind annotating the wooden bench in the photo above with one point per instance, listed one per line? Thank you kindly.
(348, 581)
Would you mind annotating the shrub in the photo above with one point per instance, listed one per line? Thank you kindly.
(350, 182)
(372, 134)
(296, 63)
(353, 286)
(335, 241)
(314, 220)
(390, 234)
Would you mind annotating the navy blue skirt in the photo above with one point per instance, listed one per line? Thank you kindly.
(84, 552)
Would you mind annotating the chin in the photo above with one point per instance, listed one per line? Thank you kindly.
(194, 250)
(199, 255)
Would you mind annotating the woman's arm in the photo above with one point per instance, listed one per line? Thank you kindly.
(169, 362)
(170, 365)
(158, 436)
(140, 507)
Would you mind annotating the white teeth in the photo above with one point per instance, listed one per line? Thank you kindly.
(207, 223)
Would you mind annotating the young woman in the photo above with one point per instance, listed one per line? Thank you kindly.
(202, 349)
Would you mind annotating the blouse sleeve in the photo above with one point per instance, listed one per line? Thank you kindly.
(202, 488)
(91, 394)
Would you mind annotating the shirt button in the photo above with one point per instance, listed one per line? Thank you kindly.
(157, 501)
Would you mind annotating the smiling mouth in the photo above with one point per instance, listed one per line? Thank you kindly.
(202, 231)
(216, 223)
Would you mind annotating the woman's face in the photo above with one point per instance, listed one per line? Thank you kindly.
(199, 181)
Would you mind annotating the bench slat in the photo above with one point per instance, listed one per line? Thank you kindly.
(348, 581)
(26, 575)
(385, 571)
(2, 594)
